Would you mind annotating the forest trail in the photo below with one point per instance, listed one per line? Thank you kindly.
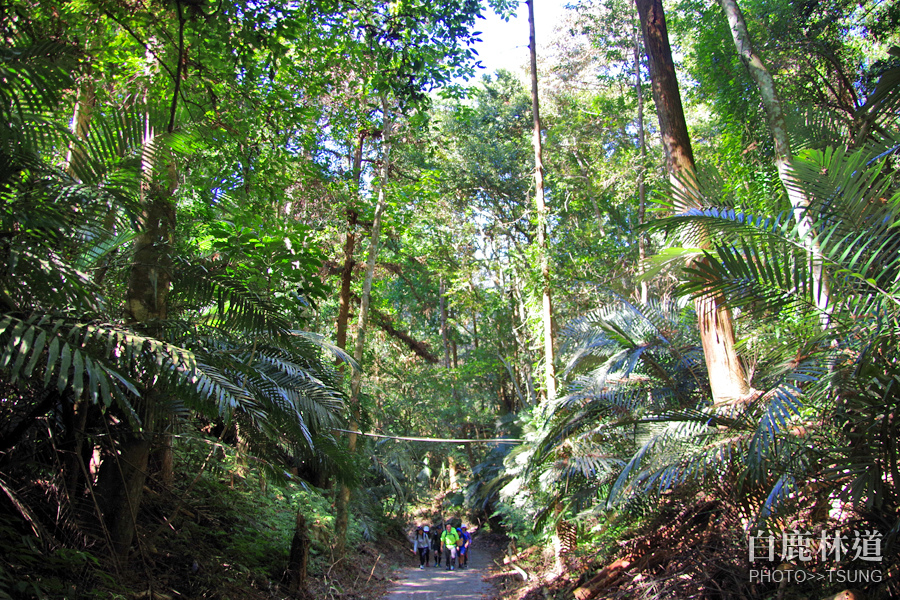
(435, 583)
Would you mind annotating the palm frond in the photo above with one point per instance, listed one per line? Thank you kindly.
(766, 265)
(33, 79)
(224, 302)
(46, 281)
(815, 126)
(886, 97)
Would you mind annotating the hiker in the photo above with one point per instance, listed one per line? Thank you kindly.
(427, 531)
(436, 544)
(465, 540)
(421, 545)
(448, 546)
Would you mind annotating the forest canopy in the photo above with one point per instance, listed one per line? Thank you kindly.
(661, 260)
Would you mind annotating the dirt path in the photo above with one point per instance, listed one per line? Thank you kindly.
(435, 583)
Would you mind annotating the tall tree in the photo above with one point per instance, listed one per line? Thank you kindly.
(146, 297)
(413, 47)
(485, 156)
(146, 306)
(597, 149)
(642, 164)
(343, 501)
(345, 299)
(143, 356)
(778, 128)
(728, 380)
(542, 216)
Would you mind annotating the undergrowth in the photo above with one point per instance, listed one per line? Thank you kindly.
(221, 530)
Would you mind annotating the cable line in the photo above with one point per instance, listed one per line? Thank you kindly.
(435, 440)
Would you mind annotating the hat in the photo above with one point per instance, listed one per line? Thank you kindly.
(463, 526)
(419, 528)
(427, 529)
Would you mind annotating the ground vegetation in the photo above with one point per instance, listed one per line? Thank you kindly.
(276, 282)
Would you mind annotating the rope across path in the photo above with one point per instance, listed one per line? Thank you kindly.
(435, 440)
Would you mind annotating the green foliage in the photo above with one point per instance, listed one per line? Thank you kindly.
(28, 571)
(637, 365)
(229, 350)
(276, 261)
(763, 268)
(517, 525)
(764, 272)
(490, 162)
(257, 112)
(58, 324)
(255, 524)
(225, 531)
(34, 76)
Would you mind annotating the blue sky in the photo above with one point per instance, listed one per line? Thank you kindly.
(505, 44)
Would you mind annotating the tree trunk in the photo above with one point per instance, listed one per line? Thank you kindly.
(346, 281)
(145, 303)
(122, 478)
(642, 168)
(345, 297)
(81, 123)
(475, 329)
(664, 86)
(163, 462)
(445, 338)
(778, 128)
(151, 268)
(546, 297)
(299, 556)
(75, 447)
(522, 353)
(727, 378)
(121, 484)
(343, 498)
(564, 537)
(453, 473)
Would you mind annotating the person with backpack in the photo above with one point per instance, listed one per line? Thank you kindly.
(448, 546)
(422, 545)
(436, 544)
(465, 539)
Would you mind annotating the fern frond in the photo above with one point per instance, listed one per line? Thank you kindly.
(44, 280)
(885, 100)
(223, 302)
(33, 79)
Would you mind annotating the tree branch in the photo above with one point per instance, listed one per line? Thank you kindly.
(179, 68)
